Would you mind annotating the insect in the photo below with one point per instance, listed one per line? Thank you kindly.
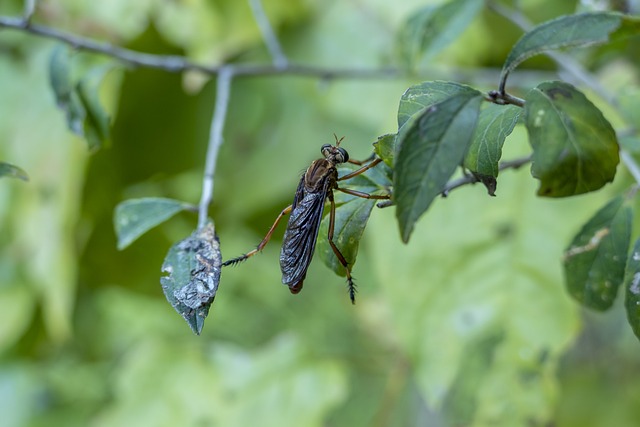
(299, 242)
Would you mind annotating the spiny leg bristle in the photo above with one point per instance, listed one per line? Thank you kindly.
(352, 290)
(235, 261)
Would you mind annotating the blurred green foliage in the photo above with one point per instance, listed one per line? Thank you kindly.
(468, 324)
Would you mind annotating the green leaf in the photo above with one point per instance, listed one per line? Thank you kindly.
(632, 288)
(431, 146)
(135, 217)
(352, 214)
(431, 29)
(594, 263)
(385, 148)
(193, 266)
(96, 122)
(12, 171)
(61, 83)
(351, 219)
(570, 31)
(495, 123)
(575, 149)
(426, 94)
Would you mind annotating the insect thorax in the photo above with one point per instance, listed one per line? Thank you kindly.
(315, 176)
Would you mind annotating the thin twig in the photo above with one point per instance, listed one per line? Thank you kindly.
(223, 90)
(269, 36)
(132, 57)
(472, 179)
(177, 64)
(504, 98)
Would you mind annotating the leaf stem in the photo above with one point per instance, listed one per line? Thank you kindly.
(504, 98)
(223, 90)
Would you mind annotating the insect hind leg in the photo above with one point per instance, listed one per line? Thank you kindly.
(263, 243)
(351, 286)
(332, 219)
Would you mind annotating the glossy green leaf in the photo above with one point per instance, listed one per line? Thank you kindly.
(352, 214)
(193, 266)
(430, 148)
(133, 218)
(432, 28)
(594, 263)
(96, 121)
(12, 171)
(575, 149)
(570, 31)
(385, 148)
(632, 289)
(425, 94)
(495, 123)
(63, 88)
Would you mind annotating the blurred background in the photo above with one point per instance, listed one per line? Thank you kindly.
(467, 325)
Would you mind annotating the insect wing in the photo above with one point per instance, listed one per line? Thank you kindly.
(302, 231)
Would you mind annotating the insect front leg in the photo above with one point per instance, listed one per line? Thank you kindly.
(364, 195)
(336, 251)
(362, 162)
(360, 170)
(264, 241)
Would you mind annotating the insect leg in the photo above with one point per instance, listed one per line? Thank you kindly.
(343, 261)
(362, 162)
(364, 195)
(361, 170)
(264, 241)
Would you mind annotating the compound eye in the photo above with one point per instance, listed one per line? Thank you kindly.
(326, 149)
(343, 156)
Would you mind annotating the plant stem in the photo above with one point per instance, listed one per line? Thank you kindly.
(471, 179)
(223, 90)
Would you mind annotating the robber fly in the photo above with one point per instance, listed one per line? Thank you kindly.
(299, 242)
